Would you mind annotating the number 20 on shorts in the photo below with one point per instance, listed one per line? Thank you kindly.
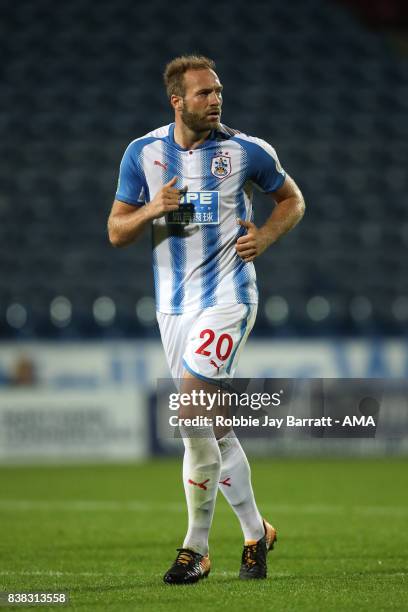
(223, 346)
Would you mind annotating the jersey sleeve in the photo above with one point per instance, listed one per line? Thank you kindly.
(264, 169)
(131, 181)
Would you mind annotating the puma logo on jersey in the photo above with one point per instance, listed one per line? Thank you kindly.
(159, 163)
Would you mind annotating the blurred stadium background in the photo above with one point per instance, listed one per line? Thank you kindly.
(325, 82)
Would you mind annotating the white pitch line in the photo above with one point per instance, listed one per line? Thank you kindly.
(292, 575)
(26, 505)
(55, 573)
(58, 574)
(81, 505)
(382, 510)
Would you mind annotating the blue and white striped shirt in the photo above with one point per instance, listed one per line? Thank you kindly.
(194, 259)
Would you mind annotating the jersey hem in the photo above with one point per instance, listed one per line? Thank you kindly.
(183, 310)
(126, 200)
(214, 381)
(279, 186)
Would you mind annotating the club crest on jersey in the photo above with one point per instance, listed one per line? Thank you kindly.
(221, 166)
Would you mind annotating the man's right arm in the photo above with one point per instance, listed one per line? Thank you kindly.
(125, 224)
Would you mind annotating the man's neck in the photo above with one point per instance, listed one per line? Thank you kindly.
(188, 139)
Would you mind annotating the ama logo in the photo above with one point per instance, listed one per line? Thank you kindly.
(364, 421)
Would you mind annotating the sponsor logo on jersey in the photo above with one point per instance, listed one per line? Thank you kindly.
(221, 166)
(201, 207)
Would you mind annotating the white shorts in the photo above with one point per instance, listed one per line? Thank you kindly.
(207, 343)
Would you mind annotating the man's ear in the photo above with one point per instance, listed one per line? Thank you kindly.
(176, 102)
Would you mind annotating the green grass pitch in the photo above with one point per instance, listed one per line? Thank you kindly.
(106, 534)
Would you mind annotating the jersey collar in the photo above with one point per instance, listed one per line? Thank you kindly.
(206, 143)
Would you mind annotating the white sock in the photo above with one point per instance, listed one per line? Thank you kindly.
(201, 474)
(235, 484)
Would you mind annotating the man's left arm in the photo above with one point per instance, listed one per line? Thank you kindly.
(289, 210)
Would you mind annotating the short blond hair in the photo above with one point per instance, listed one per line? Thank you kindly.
(174, 72)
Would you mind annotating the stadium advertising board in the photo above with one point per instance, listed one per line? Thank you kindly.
(74, 425)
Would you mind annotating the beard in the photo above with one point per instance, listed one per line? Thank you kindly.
(197, 122)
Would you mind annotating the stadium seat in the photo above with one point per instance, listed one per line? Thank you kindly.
(80, 83)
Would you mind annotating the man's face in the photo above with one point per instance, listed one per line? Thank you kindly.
(202, 101)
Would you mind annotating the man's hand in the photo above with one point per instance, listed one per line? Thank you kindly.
(165, 200)
(288, 211)
(127, 222)
(252, 244)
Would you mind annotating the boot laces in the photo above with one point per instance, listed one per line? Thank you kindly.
(249, 554)
(184, 557)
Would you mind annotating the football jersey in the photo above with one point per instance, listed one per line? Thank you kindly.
(195, 263)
